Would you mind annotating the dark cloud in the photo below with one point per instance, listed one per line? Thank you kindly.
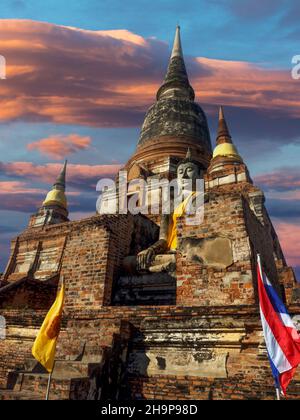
(291, 14)
(3, 260)
(29, 203)
(258, 131)
(79, 177)
(297, 272)
(25, 203)
(254, 10)
(7, 229)
(284, 209)
(282, 180)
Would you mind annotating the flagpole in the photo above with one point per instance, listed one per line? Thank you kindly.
(259, 263)
(278, 394)
(51, 373)
(49, 382)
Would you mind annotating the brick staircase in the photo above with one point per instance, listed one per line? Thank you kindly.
(94, 372)
(71, 380)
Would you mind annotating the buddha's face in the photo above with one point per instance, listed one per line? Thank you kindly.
(187, 174)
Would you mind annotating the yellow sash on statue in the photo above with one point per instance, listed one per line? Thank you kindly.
(178, 212)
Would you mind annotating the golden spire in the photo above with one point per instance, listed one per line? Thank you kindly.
(57, 197)
(225, 147)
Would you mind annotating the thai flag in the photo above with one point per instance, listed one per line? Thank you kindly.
(281, 336)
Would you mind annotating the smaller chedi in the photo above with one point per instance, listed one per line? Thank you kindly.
(54, 209)
(155, 307)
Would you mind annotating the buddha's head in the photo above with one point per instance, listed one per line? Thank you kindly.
(188, 171)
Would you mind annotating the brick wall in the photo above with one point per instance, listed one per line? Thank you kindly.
(198, 284)
(94, 254)
(208, 346)
(155, 339)
(28, 294)
(21, 329)
(230, 214)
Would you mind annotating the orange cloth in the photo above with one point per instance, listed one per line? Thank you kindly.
(178, 212)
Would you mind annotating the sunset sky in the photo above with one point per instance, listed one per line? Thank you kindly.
(80, 76)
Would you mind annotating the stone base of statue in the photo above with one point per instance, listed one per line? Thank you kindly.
(156, 286)
(146, 289)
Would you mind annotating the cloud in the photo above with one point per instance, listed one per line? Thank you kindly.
(69, 75)
(17, 187)
(4, 254)
(7, 229)
(78, 176)
(284, 208)
(291, 15)
(251, 10)
(289, 236)
(22, 197)
(297, 272)
(60, 146)
(282, 189)
(25, 203)
(108, 78)
(247, 85)
(282, 180)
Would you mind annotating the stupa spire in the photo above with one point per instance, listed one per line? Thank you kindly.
(177, 48)
(223, 135)
(176, 83)
(56, 197)
(60, 182)
(225, 146)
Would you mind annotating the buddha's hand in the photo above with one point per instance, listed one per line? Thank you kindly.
(144, 259)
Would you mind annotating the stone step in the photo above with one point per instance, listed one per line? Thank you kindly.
(62, 387)
(38, 382)
(70, 380)
(34, 385)
(75, 368)
(8, 394)
(65, 368)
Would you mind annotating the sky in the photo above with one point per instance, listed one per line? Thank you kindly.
(81, 75)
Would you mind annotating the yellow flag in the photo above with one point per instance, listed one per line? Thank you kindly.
(44, 346)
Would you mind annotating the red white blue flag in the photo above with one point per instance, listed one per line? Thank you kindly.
(281, 336)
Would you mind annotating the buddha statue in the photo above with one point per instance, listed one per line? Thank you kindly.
(160, 255)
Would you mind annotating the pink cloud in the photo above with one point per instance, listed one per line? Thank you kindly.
(284, 178)
(20, 196)
(17, 187)
(60, 146)
(84, 176)
(289, 236)
(247, 85)
(108, 78)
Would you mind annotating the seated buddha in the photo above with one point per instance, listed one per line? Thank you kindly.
(160, 256)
